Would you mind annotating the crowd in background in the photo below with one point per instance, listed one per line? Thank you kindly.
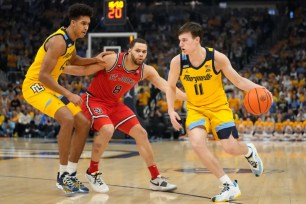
(267, 49)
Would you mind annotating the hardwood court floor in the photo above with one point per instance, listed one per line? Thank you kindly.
(28, 169)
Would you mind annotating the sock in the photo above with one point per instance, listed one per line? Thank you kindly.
(225, 179)
(62, 169)
(249, 152)
(94, 166)
(154, 171)
(71, 167)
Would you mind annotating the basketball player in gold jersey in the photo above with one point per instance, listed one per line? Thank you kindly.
(199, 69)
(42, 91)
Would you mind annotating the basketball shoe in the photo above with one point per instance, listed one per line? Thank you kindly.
(78, 183)
(255, 161)
(65, 183)
(160, 183)
(228, 193)
(96, 182)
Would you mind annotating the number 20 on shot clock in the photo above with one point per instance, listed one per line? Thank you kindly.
(114, 12)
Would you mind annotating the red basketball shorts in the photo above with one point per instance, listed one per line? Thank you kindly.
(101, 113)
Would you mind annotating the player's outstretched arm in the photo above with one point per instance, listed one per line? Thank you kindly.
(106, 59)
(223, 64)
(83, 70)
(152, 75)
(77, 60)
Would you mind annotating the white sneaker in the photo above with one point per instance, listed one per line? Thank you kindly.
(228, 193)
(97, 184)
(255, 161)
(160, 183)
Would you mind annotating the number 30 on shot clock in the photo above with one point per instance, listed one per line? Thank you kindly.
(114, 12)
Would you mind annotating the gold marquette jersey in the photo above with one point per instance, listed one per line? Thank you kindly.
(203, 84)
(34, 69)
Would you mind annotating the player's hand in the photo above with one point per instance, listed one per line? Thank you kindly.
(75, 99)
(269, 93)
(174, 118)
(99, 57)
(103, 54)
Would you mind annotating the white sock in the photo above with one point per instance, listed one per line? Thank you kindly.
(225, 179)
(62, 169)
(249, 152)
(71, 167)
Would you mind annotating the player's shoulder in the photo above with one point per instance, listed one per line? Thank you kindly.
(57, 41)
(112, 56)
(110, 60)
(176, 59)
(149, 70)
(220, 60)
(219, 55)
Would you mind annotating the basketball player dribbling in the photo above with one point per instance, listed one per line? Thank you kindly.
(103, 108)
(199, 69)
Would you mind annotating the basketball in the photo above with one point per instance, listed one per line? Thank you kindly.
(257, 101)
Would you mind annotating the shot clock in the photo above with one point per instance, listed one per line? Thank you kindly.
(114, 12)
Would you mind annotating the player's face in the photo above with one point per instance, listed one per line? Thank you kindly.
(138, 53)
(187, 43)
(80, 26)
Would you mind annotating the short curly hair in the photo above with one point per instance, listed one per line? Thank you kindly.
(77, 10)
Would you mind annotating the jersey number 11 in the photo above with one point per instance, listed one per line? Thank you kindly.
(198, 88)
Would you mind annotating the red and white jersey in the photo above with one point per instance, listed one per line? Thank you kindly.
(110, 85)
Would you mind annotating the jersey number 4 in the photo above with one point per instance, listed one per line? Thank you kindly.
(198, 88)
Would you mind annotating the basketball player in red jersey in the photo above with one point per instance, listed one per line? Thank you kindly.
(102, 107)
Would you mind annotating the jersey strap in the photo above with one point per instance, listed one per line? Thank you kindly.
(184, 62)
(67, 39)
(120, 59)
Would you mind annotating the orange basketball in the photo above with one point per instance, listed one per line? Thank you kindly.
(257, 101)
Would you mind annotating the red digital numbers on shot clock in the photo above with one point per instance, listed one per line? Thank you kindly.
(114, 12)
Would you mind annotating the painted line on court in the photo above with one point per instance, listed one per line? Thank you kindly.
(121, 186)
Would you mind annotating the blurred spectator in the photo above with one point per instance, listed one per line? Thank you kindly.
(157, 123)
(15, 102)
(142, 102)
(282, 104)
(24, 119)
